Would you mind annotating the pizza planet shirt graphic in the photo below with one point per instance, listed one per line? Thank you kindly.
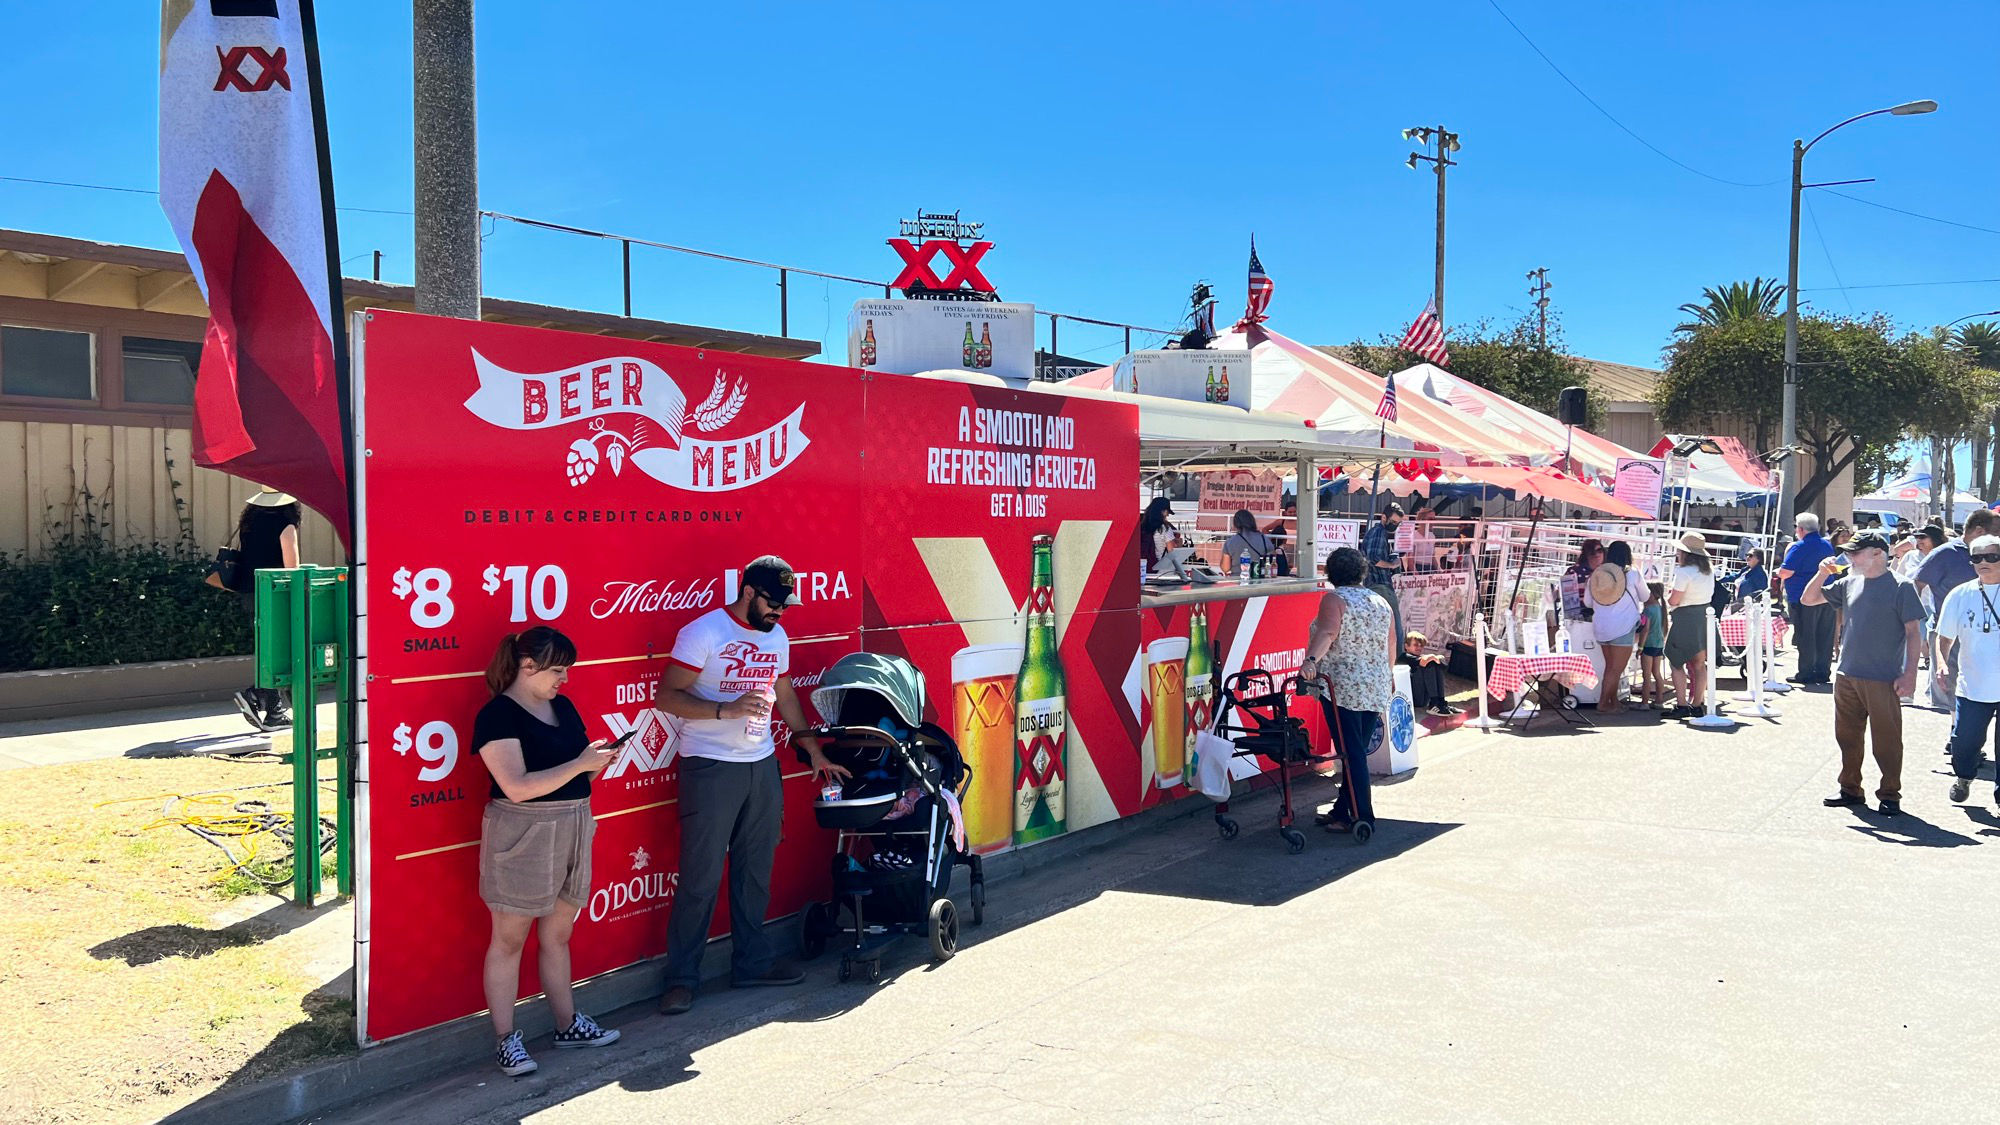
(636, 413)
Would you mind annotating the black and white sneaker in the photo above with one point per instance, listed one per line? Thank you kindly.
(277, 718)
(252, 714)
(513, 1059)
(1961, 788)
(584, 1032)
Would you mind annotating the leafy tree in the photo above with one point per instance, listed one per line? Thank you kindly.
(1510, 359)
(1756, 299)
(1860, 388)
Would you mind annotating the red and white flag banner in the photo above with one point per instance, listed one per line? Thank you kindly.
(245, 183)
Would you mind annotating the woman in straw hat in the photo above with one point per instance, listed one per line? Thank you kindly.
(267, 535)
(1689, 594)
(1617, 596)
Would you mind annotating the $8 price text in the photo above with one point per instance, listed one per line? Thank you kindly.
(545, 593)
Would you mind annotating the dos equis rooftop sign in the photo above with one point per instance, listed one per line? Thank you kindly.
(933, 234)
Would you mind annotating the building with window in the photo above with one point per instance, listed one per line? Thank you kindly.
(99, 345)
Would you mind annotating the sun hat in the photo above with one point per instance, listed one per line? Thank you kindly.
(1607, 584)
(1694, 542)
(268, 497)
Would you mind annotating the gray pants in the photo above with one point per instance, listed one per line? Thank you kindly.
(1812, 634)
(732, 809)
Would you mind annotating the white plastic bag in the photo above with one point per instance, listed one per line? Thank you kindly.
(1212, 754)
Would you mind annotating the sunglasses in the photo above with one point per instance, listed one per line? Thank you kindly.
(1990, 557)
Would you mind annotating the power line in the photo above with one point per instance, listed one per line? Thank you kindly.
(1655, 149)
(1907, 284)
(149, 191)
(1911, 214)
(1821, 235)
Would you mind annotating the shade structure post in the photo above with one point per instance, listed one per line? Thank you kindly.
(1483, 721)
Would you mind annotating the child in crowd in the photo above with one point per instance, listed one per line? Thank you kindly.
(1426, 677)
(1653, 646)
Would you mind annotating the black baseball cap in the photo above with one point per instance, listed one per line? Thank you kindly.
(1933, 532)
(772, 577)
(1864, 541)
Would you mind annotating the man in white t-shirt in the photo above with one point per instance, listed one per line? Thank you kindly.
(1968, 628)
(729, 669)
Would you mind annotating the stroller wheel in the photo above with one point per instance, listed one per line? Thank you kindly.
(846, 970)
(814, 927)
(944, 929)
(979, 904)
(1294, 839)
(1363, 830)
(1226, 826)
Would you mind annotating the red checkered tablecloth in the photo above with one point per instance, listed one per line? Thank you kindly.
(1510, 671)
(1735, 630)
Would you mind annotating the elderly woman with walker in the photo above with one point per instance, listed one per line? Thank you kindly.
(1350, 651)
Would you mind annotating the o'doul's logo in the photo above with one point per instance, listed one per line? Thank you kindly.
(642, 890)
(659, 440)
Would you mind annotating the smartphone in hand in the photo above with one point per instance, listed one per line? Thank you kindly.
(621, 739)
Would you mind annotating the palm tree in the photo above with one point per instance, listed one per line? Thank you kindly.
(1755, 299)
(1979, 341)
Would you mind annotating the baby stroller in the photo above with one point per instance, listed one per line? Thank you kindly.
(897, 818)
(1266, 728)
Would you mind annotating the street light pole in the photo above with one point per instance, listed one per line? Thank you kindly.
(447, 159)
(1445, 143)
(1789, 421)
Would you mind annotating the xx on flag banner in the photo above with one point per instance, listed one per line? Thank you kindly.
(244, 181)
(1426, 337)
(1260, 288)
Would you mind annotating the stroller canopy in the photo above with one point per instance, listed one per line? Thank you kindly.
(892, 678)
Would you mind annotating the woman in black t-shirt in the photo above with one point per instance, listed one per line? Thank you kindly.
(534, 838)
(267, 537)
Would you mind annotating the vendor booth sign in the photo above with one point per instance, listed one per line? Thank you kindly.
(1438, 605)
(1330, 535)
(908, 337)
(1190, 375)
(1640, 481)
(1223, 494)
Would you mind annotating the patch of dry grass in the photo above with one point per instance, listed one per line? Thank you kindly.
(141, 977)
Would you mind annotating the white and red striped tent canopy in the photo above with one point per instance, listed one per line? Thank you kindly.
(1289, 377)
(1594, 457)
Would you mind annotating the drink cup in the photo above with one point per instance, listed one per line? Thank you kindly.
(1166, 685)
(982, 706)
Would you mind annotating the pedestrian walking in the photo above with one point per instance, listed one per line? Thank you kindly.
(1350, 644)
(1812, 625)
(1944, 570)
(1688, 596)
(730, 668)
(1968, 628)
(267, 537)
(535, 834)
(1878, 664)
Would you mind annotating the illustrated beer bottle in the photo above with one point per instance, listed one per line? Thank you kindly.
(1222, 388)
(971, 349)
(868, 344)
(1041, 721)
(985, 352)
(1200, 690)
(1208, 395)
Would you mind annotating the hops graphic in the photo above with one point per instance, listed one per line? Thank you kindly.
(720, 407)
(581, 464)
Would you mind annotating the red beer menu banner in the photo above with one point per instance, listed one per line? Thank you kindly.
(512, 477)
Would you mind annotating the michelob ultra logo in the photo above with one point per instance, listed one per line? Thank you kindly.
(661, 439)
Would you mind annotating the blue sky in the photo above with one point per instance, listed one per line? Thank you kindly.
(1117, 153)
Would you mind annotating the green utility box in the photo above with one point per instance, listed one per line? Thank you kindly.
(304, 622)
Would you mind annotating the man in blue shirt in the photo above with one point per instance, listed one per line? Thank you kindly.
(1384, 561)
(1812, 625)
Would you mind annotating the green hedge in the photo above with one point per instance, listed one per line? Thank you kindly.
(86, 602)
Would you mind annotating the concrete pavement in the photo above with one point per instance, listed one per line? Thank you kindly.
(1637, 921)
(191, 728)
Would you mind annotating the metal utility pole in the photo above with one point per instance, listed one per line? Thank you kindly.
(447, 159)
(1441, 143)
(1540, 292)
(1789, 418)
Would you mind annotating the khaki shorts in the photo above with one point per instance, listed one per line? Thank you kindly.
(532, 854)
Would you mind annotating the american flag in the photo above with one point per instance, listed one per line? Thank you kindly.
(1426, 337)
(1204, 319)
(1386, 409)
(1260, 288)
